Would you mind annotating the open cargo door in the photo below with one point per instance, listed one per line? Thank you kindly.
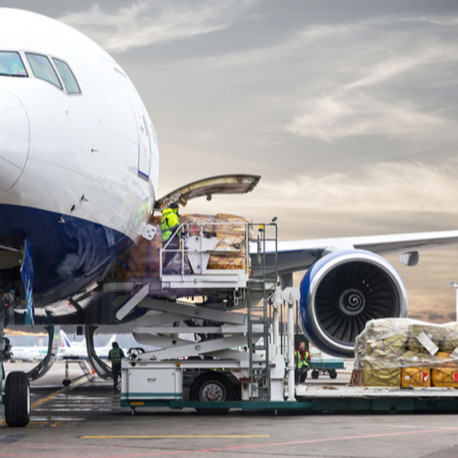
(224, 184)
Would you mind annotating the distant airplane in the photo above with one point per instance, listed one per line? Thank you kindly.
(30, 353)
(78, 350)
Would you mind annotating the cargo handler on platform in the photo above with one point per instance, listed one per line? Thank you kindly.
(170, 235)
(301, 363)
(115, 356)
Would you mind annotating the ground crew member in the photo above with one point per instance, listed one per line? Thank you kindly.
(115, 356)
(301, 363)
(170, 235)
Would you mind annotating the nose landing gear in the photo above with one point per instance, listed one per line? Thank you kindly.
(17, 388)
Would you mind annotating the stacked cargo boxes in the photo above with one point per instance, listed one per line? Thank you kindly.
(398, 352)
(230, 232)
(142, 259)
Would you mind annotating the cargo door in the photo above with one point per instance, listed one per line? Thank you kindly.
(223, 184)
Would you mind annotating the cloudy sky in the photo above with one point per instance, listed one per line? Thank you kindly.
(347, 108)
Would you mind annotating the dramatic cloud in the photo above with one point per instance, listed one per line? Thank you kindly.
(375, 89)
(351, 113)
(148, 22)
(384, 187)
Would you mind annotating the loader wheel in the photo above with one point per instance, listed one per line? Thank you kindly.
(17, 399)
(332, 373)
(212, 387)
(315, 374)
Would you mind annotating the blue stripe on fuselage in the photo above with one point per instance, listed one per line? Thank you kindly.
(68, 253)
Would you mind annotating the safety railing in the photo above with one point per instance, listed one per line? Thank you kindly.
(210, 253)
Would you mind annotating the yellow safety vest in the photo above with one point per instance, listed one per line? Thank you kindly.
(169, 223)
(299, 361)
(115, 356)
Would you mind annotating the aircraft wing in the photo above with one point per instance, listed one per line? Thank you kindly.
(298, 255)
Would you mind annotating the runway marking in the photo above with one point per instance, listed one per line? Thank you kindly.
(212, 450)
(314, 441)
(282, 444)
(187, 436)
(78, 382)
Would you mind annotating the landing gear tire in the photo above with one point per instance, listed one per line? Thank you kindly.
(66, 382)
(315, 374)
(333, 373)
(212, 387)
(17, 399)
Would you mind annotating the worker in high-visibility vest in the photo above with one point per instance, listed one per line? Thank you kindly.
(115, 356)
(301, 363)
(170, 236)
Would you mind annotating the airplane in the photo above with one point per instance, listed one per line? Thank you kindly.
(30, 353)
(79, 167)
(75, 350)
(78, 350)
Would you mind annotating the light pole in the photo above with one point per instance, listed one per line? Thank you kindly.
(455, 285)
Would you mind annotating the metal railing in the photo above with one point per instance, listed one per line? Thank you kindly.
(198, 244)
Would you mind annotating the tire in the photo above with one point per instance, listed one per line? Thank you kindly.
(211, 387)
(333, 373)
(315, 374)
(66, 382)
(17, 399)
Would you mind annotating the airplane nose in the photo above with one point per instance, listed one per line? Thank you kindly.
(14, 139)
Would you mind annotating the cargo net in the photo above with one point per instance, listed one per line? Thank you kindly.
(142, 260)
(403, 353)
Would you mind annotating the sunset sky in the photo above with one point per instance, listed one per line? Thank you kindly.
(347, 108)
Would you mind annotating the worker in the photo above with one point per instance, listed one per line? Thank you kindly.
(115, 356)
(170, 235)
(301, 363)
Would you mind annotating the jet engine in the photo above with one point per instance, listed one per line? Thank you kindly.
(341, 292)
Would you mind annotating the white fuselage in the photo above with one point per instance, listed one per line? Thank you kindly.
(83, 167)
(60, 147)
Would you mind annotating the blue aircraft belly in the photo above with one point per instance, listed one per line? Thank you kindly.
(68, 253)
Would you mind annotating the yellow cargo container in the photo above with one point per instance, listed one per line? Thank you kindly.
(446, 377)
(414, 377)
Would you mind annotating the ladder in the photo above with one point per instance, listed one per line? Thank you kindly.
(263, 244)
(84, 366)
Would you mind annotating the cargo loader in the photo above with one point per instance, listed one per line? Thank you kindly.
(219, 354)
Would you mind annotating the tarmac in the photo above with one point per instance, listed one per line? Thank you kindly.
(85, 419)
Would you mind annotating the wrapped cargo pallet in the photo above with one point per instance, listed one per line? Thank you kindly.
(230, 232)
(142, 259)
(406, 353)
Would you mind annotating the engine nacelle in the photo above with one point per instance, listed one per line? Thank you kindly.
(344, 290)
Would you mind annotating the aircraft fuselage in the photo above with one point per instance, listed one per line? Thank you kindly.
(78, 164)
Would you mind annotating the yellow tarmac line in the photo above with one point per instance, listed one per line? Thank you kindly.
(188, 436)
(56, 393)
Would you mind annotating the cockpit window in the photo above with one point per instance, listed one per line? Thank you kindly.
(43, 69)
(70, 83)
(11, 64)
